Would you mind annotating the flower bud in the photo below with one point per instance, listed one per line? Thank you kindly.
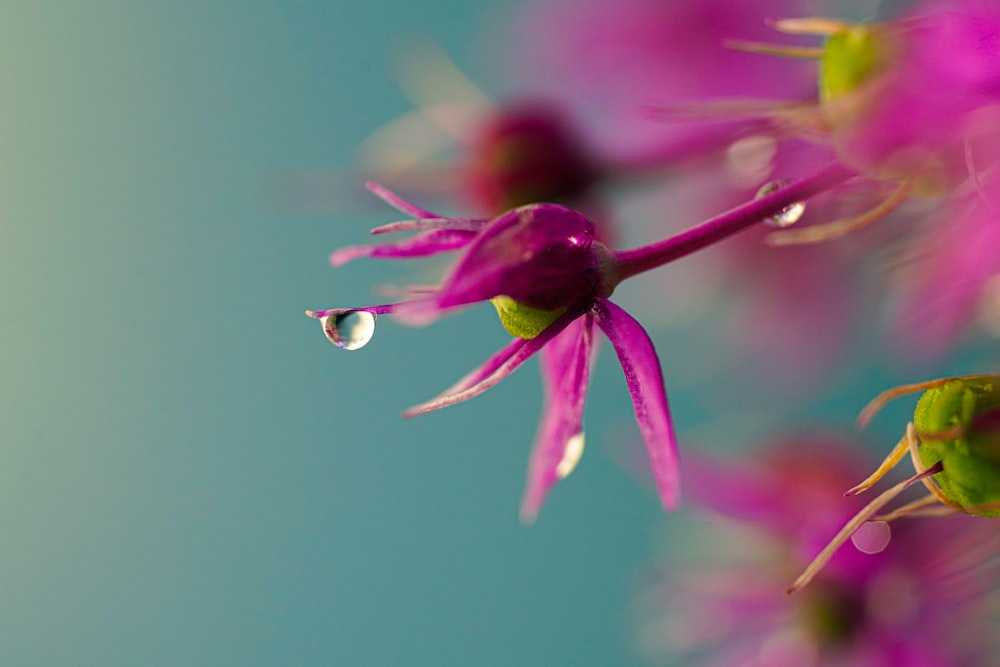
(525, 155)
(957, 427)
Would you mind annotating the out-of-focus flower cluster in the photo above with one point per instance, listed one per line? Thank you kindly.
(922, 599)
(823, 173)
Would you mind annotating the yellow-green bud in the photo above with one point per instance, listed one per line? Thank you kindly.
(523, 321)
(849, 56)
(971, 461)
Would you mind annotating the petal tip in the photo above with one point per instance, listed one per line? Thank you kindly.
(527, 516)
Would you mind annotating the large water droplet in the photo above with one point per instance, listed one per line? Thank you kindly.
(349, 331)
(788, 215)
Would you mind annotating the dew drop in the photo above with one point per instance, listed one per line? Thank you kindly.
(788, 215)
(349, 331)
(872, 537)
(571, 456)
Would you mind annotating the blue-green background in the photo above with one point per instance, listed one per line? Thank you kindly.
(189, 473)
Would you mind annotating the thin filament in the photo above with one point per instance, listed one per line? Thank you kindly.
(927, 506)
(974, 174)
(890, 462)
(823, 27)
(779, 50)
(880, 401)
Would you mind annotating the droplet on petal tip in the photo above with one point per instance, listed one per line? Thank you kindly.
(571, 456)
(787, 216)
(350, 330)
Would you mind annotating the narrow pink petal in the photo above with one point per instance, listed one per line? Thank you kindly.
(397, 202)
(565, 371)
(421, 245)
(465, 224)
(482, 372)
(649, 398)
(374, 310)
(513, 356)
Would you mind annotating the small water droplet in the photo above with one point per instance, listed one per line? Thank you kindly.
(872, 537)
(788, 215)
(349, 331)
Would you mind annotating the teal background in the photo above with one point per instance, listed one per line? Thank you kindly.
(189, 473)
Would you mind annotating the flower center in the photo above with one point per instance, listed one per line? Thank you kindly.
(523, 321)
(849, 56)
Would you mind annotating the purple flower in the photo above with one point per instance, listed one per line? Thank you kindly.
(550, 281)
(912, 103)
(919, 600)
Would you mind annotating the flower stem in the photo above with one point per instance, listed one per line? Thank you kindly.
(639, 260)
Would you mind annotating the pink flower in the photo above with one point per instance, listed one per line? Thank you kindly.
(918, 601)
(550, 281)
(912, 103)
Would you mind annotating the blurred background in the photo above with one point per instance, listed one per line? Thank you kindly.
(190, 474)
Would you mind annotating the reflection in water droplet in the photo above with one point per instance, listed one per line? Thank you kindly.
(788, 215)
(571, 456)
(349, 331)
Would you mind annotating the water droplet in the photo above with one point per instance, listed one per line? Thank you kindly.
(571, 456)
(788, 215)
(349, 331)
(872, 537)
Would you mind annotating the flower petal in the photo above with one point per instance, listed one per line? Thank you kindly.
(397, 202)
(565, 365)
(462, 224)
(503, 364)
(538, 255)
(374, 310)
(421, 245)
(645, 383)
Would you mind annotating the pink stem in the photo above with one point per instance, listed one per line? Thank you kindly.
(632, 262)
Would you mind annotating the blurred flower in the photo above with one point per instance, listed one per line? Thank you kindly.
(613, 60)
(881, 104)
(954, 443)
(919, 600)
(550, 280)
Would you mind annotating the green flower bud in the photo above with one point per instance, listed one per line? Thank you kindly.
(849, 56)
(971, 461)
(523, 321)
